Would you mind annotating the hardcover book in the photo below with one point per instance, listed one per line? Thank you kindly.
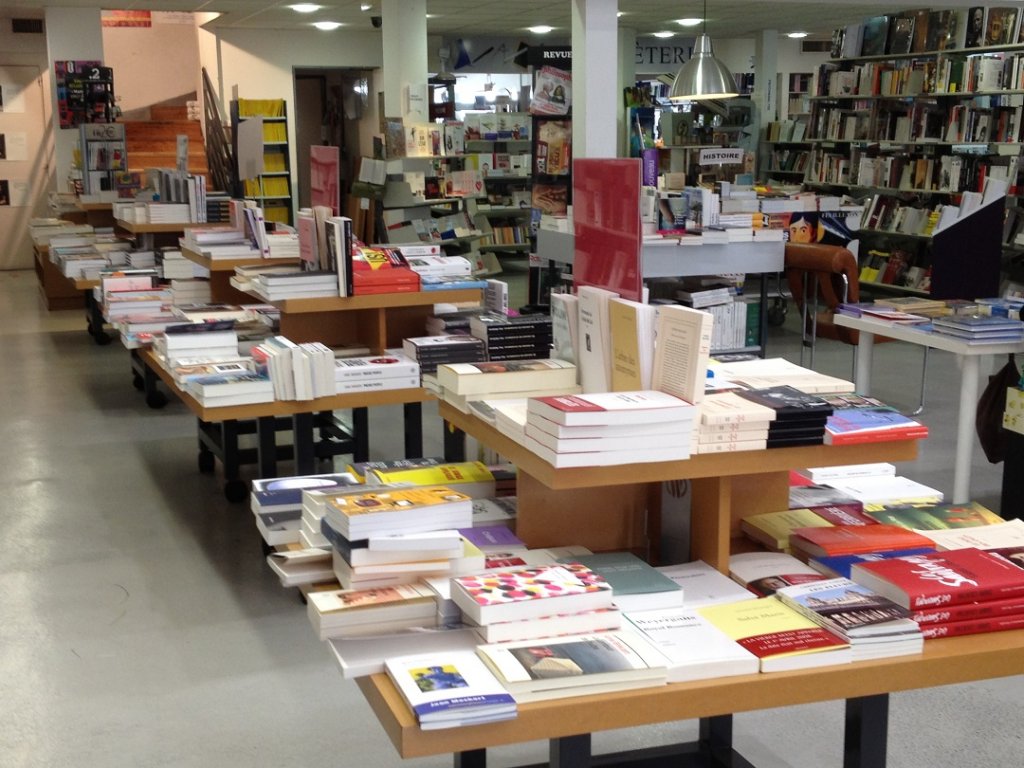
(448, 689)
(876, 34)
(575, 665)
(848, 609)
(529, 592)
(778, 635)
(942, 578)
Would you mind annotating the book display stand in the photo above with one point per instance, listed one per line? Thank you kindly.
(554, 508)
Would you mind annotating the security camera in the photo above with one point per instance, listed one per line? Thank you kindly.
(377, 21)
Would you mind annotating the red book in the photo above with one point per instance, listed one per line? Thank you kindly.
(1011, 606)
(855, 540)
(918, 432)
(843, 514)
(938, 579)
(973, 626)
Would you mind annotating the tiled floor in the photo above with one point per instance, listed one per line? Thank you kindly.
(141, 627)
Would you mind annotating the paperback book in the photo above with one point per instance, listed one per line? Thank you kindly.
(636, 585)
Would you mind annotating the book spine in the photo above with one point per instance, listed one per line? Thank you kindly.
(972, 626)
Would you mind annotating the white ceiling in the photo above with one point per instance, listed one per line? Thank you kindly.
(726, 18)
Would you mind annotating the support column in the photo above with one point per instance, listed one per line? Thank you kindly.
(404, 40)
(595, 111)
(72, 34)
(766, 69)
(627, 78)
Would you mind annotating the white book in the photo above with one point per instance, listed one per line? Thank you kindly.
(884, 490)
(822, 475)
(607, 458)
(693, 647)
(572, 444)
(704, 585)
(365, 655)
(594, 343)
(765, 572)
(996, 536)
(730, 408)
(681, 352)
(303, 566)
(448, 689)
(565, 326)
(600, 408)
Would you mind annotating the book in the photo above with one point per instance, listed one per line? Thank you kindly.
(636, 585)
(972, 626)
(492, 538)
(274, 494)
(472, 478)
(301, 566)
(506, 376)
(364, 655)
(936, 517)
(848, 426)
(788, 402)
(448, 689)
(577, 665)
(682, 352)
(848, 609)
(854, 539)
(525, 593)
(1009, 533)
(594, 340)
(704, 585)
(779, 636)
(764, 572)
(400, 510)
(583, 622)
(564, 327)
(772, 529)
(643, 407)
(885, 490)
(631, 329)
(721, 408)
(839, 565)
(694, 648)
(942, 578)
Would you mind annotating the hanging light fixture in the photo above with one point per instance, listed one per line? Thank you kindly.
(703, 76)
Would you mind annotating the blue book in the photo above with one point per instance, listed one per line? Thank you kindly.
(275, 494)
(840, 565)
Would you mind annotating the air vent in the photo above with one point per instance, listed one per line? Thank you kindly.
(816, 46)
(27, 26)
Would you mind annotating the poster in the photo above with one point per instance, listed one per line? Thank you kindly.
(324, 171)
(12, 97)
(85, 92)
(14, 146)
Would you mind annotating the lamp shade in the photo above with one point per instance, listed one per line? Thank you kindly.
(703, 76)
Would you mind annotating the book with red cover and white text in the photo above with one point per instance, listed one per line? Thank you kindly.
(641, 407)
(973, 626)
(942, 578)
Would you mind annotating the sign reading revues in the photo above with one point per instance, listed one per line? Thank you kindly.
(721, 156)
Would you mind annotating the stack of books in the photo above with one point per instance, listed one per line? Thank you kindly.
(352, 519)
(445, 323)
(799, 417)
(174, 266)
(473, 478)
(276, 503)
(436, 264)
(192, 291)
(980, 329)
(857, 419)
(392, 370)
(357, 612)
(729, 422)
(636, 585)
(277, 286)
(762, 373)
(118, 302)
(959, 592)
(513, 337)
(873, 625)
(611, 428)
(460, 383)
(806, 543)
(432, 351)
(381, 270)
(222, 391)
(191, 340)
(220, 243)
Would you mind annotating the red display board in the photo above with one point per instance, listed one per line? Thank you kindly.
(606, 220)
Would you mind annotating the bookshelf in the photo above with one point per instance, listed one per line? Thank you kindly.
(913, 123)
(271, 189)
(104, 156)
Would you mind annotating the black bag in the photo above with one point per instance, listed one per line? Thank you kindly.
(991, 404)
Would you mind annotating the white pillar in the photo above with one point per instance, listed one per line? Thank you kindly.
(72, 34)
(404, 40)
(595, 105)
(766, 70)
(627, 79)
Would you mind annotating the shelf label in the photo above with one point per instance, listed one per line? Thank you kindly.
(721, 156)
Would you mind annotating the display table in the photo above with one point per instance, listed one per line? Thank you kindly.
(968, 357)
(219, 428)
(221, 271)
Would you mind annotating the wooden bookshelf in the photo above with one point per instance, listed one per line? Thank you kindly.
(221, 271)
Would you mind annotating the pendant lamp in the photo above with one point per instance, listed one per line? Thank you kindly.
(703, 76)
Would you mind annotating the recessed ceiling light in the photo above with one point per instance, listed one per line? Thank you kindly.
(540, 29)
(664, 33)
(365, 7)
(305, 7)
(430, 15)
(796, 34)
(691, 22)
(327, 26)
(620, 14)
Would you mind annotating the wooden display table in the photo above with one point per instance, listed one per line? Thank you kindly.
(221, 271)
(219, 428)
(56, 290)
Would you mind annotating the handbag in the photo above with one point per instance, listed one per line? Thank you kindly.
(991, 404)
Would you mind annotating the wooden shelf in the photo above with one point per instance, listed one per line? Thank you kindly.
(151, 229)
(228, 265)
(376, 301)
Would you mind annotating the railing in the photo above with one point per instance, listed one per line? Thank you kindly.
(218, 145)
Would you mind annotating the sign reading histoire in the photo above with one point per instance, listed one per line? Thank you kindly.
(721, 156)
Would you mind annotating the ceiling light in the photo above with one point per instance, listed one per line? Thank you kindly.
(540, 29)
(305, 7)
(365, 7)
(664, 33)
(327, 26)
(796, 35)
(620, 14)
(688, 22)
(703, 76)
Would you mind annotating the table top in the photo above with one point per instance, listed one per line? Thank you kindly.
(915, 335)
(700, 465)
(283, 407)
(228, 265)
(943, 662)
(377, 301)
(140, 228)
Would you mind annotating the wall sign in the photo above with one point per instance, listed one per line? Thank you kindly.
(721, 155)
(85, 92)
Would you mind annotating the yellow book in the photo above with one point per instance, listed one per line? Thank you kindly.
(395, 511)
(779, 636)
(470, 477)
(772, 529)
(624, 323)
